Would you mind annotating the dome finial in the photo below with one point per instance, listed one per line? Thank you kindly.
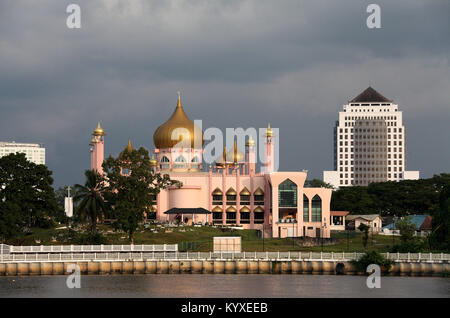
(179, 99)
(269, 131)
(129, 147)
(99, 130)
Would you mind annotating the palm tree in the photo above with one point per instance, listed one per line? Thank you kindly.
(91, 195)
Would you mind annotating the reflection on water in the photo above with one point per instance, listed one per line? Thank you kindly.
(223, 286)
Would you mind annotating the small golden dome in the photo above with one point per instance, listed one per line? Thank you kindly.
(244, 209)
(153, 209)
(99, 130)
(258, 209)
(231, 191)
(245, 191)
(217, 209)
(232, 156)
(217, 191)
(269, 131)
(258, 191)
(153, 161)
(250, 142)
(231, 209)
(162, 137)
(129, 148)
(93, 141)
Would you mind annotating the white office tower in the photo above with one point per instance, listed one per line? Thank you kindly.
(34, 152)
(369, 143)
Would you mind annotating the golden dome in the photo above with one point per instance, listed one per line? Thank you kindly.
(269, 131)
(232, 156)
(129, 148)
(93, 141)
(250, 142)
(245, 191)
(231, 209)
(258, 209)
(153, 161)
(258, 192)
(217, 209)
(244, 209)
(231, 191)
(162, 137)
(217, 191)
(99, 130)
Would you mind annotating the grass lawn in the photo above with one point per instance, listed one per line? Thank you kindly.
(200, 239)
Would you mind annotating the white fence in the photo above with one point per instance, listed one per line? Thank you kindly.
(90, 248)
(175, 255)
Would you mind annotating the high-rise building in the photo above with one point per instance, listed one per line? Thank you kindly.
(369, 143)
(34, 152)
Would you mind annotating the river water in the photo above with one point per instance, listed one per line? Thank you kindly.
(227, 286)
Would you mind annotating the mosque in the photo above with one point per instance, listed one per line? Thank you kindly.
(231, 192)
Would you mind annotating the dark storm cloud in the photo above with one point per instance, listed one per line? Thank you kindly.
(238, 63)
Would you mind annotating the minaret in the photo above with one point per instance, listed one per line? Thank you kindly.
(251, 156)
(269, 164)
(97, 149)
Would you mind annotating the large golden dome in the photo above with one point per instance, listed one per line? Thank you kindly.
(162, 137)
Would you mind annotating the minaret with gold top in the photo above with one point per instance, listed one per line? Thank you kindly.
(269, 160)
(97, 149)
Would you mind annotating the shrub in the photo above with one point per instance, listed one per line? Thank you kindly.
(371, 257)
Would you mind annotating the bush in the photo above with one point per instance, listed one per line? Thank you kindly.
(372, 257)
(415, 246)
(90, 239)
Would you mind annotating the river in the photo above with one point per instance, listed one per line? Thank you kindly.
(227, 286)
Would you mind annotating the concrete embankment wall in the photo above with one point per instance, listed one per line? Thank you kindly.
(216, 267)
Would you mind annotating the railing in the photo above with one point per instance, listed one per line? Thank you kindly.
(175, 255)
(92, 248)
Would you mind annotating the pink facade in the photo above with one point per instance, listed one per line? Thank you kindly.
(231, 189)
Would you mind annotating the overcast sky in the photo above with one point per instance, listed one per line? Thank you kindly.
(237, 63)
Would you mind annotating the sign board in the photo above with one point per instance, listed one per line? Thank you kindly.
(230, 244)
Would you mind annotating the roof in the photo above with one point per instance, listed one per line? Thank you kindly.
(370, 95)
(339, 213)
(422, 222)
(426, 225)
(187, 211)
(367, 217)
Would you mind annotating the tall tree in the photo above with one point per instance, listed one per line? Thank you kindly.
(440, 235)
(10, 220)
(132, 183)
(27, 185)
(316, 183)
(90, 199)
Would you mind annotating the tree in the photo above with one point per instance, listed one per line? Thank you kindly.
(28, 186)
(10, 221)
(440, 235)
(132, 184)
(316, 183)
(365, 229)
(91, 199)
(407, 229)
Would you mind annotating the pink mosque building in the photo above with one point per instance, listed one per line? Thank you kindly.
(231, 192)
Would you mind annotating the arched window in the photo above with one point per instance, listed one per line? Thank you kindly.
(305, 208)
(287, 194)
(180, 159)
(258, 196)
(231, 196)
(195, 159)
(217, 196)
(180, 162)
(316, 209)
(165, 163)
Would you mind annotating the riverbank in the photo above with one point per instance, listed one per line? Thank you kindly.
(238, 266)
